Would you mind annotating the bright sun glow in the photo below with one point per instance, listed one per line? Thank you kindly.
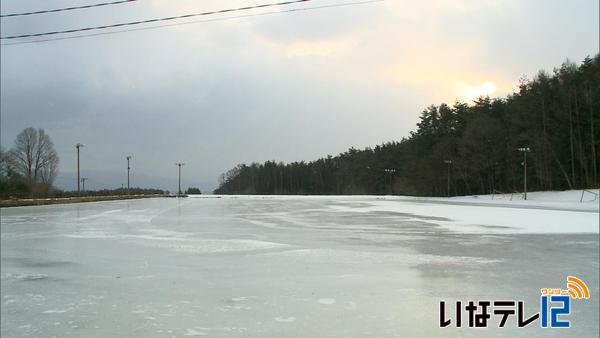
(471, 93)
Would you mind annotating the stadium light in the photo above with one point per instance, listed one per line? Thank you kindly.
(524, 150)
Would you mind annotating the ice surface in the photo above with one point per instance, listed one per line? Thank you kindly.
(273, 266)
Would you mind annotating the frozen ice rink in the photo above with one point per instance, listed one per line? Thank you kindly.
(289, 266)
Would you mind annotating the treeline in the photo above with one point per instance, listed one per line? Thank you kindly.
(474, 147)
(109, 192)
(16, 187)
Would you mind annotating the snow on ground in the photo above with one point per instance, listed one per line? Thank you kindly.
(542, 212)
(570, 199)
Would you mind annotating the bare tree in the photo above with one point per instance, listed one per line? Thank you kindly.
(49, 171)
(3, 162)
(34, 157)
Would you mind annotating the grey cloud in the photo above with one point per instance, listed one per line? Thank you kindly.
(212, 95)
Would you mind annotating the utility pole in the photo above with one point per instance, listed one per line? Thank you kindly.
(524, 150)
(179, 164)
(128, 168)
(83, 179)
(78, 145)
(449, 163)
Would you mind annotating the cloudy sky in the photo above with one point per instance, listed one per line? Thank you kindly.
(279, 86)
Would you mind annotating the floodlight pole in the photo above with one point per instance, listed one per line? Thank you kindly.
(448, 162)
(128, 168)
(78, 145)
(390, 172)
(524, 150)
(179, 164)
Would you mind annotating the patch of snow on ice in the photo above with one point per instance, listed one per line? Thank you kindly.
(285, 319)
(54, 311)
(192, 332)
(326, 301)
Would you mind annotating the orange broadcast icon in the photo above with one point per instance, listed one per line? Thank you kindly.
(577, 288)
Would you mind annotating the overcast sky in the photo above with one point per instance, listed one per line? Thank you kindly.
(284, 86)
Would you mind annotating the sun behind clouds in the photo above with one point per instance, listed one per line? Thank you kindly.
(470, 93)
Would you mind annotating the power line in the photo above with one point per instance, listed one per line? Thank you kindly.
(66, 9)
(196, 22)
(131, 23)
